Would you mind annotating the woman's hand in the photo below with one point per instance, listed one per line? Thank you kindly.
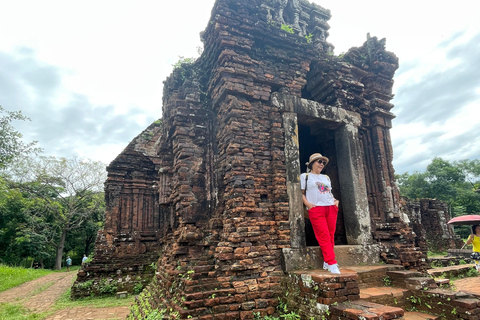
(470, 239)
(336, 203)
(310, 206)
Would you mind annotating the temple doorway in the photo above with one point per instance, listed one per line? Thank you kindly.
(319, 136)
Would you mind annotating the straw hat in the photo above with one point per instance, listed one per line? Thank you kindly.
(315, 157)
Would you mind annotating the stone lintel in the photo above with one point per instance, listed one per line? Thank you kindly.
(346, 255)
(290, 103)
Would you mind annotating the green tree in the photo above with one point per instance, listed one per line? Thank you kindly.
(445, 179)
(12, 206)
(456, 183)
(11, 144)
(81, 240)
(66, 196)
(413, 186)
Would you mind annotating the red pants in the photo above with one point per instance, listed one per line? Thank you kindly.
(324, 220)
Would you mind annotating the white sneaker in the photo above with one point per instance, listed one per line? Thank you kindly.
(325, 266)
(334, 268)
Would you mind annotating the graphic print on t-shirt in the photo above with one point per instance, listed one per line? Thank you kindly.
(323, 188)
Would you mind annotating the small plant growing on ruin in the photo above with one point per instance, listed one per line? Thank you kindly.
(182, 60)
(257, 316)
(155, 315)
(472, 272)
(106, 286)
(436, 264)
(85, 285)
(287, 28)
(137, 288)
(325, 316)
(282, 306)
(414, 300)
(290, 316)
(309, 37)
(386, 281)
(147, 135)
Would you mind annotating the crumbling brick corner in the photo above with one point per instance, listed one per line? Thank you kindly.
(128, 245)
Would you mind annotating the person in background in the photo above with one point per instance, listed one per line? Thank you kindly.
(474, 239)
(84, 259)
(322, 208)
(69, 263)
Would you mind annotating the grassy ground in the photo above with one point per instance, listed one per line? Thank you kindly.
(94, 302)
(11, 277)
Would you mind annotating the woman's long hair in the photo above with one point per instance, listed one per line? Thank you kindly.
(474, 227)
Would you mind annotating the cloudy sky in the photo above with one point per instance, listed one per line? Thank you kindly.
(89, 74)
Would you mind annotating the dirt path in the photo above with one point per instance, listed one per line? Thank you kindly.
(39, 295)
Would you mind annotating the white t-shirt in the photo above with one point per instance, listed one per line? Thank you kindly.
(319, 189)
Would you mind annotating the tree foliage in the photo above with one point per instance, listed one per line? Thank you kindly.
(457, 183)
(11, 143)
(54, 197)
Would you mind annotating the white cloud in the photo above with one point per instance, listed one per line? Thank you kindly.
(90, 74)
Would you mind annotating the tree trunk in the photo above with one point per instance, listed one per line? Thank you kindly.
(61, 245)
(88, 242)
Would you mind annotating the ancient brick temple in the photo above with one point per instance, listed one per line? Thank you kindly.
(212, 190)
(428, 219)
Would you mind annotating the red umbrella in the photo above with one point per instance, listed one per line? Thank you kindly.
(466, 219)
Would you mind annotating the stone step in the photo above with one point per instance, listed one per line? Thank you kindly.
(409, 315)
(451, 271)
(397, 277)
(420, 283)
(361, 309)
(324, 287)
(373, 275)
(443, 283)
(390, 296)
(436, 262)
(454, 305)
(346, 255)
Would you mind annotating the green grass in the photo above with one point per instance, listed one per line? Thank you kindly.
(14, 276)
(431, 254)
(15, 312)
(65, 302)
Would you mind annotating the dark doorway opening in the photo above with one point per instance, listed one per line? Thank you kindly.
(319, 136)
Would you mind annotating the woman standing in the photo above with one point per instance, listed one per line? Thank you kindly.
(322, 208)
(474, 239)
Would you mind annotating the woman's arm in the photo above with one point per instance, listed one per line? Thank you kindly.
(306, 202)
(469, 240)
